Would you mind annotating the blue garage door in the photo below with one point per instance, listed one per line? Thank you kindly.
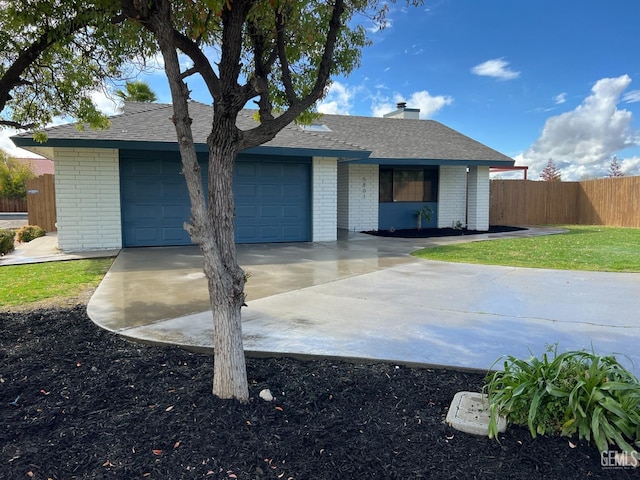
(272, 199)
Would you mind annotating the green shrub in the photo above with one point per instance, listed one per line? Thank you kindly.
(6, 241)
(574, 392)
(13, 177)
(29, 232)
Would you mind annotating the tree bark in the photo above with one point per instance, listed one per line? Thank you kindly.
(226, 278)
(212, 226)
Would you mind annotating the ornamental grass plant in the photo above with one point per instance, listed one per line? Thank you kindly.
(575, 392)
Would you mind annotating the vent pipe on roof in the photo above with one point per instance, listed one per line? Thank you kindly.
(404, 112)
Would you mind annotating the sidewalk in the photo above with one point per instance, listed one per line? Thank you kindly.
(45, 249)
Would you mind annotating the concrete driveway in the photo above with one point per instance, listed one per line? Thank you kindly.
(366, 297)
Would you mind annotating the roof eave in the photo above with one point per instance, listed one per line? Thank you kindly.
(173, 146)
(429, 161)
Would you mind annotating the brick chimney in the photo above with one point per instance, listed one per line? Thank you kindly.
(403, 112)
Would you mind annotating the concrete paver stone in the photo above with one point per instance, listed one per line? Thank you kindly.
(469, 413)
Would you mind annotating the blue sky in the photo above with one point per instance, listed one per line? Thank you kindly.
(533, 79)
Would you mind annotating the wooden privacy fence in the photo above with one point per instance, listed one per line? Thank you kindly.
(608, 201)
(41, 202)
(13, 205)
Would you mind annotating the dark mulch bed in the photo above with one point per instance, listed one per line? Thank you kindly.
(78, 402)
(440, 232)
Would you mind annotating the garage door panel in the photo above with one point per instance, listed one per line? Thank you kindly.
(267, 212)
(172, 234)
(291, 192)
(245, 212)
(245, 192)
(246, 169)
(172, 189)
(143, 190)
(272, 200)
(291, 231)
(145, 234)
(173, 212)
(293, 212)
(269, 233)
(269, 192)
(271, 170)
(141, 212)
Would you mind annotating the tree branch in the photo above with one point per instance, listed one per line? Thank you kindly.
(201, 63)
(17, 125)
(284, 61)
(50, 35)
(268, 129)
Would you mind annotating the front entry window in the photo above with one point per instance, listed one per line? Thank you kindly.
(408, 185)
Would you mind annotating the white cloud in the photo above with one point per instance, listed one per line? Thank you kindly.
(105, 102)
(428, 104)
(376, 25)
(8, 146)
(560, 98)
(632, 96)
(582, 141)
(496, 68)
(629, 166)
(338, 100)
(382, 105)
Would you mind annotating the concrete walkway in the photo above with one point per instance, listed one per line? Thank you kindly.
(366, 297)
(45, 249)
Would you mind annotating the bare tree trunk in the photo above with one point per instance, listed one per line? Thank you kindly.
(212, 225)
(226, 278)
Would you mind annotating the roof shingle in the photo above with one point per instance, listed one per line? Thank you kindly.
(389, 139)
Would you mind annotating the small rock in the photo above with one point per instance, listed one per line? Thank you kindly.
(266, 395)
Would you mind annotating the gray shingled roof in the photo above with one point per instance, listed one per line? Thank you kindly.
(397, 138)
(368, 138)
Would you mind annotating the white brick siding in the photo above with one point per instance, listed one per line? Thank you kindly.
(478, 202)
(358, 197)
(452, 196)
(324, 199)
(87, 199)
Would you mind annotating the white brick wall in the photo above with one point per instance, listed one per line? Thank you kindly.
(324, 199)
(478, 203)
(452, 196)
(87, 199)
(358, 197)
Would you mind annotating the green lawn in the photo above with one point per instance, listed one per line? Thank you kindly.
(25, 284)
(594, 248)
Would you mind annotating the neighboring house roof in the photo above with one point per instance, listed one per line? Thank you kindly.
(39, 166)
(355, 139)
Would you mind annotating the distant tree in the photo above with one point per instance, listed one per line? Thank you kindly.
(551, 172)
(137, 91)
(13, 177)
(614, 168)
